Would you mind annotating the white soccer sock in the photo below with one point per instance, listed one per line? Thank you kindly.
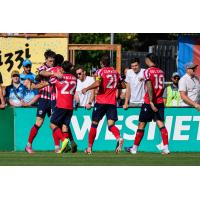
(57, 147)
(165, 147)
(29, 144)
(135, 147)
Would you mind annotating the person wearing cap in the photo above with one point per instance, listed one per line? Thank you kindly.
(189, 87)
(27, 74)
(31, 96)
(16, 91)
(171, 95)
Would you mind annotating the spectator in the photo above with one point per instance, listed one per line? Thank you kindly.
(2, 100)
(85, 100)
(27, 74)
(135, 85)
(122, 92)
(189, 87)
(171, 95)
(16, 91)
(31, 96)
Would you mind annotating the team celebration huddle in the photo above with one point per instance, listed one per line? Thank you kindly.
(57, 85)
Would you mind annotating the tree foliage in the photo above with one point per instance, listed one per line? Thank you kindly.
(129, 42)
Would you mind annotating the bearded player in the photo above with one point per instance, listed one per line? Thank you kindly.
(153, 107)
(107, 79)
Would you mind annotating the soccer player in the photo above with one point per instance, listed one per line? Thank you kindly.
(45, 102)
(67, 133)
(153, 107)
(107, 79)
(62, 113)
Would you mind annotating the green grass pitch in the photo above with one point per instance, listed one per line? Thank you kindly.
(98, 159)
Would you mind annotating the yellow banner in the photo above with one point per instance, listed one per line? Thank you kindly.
(14, 50)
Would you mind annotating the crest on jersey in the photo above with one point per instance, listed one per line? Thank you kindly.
(40, 112)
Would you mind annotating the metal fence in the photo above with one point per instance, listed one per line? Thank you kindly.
(166, 52)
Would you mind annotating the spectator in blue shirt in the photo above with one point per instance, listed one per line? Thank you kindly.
(15, 92)
(31, 96)
(27, 74)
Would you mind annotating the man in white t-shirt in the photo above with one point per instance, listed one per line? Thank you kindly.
(189, 87)
(85, 100)
(135, 85)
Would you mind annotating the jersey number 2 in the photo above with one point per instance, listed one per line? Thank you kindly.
(112, 81)
(66, 90)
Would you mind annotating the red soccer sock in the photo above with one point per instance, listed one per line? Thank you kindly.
(57, 131)
(92, 135)
(68, 135)
(56, 139)
(33, 133)
(139, 136)
(164, 134)
(115, 131)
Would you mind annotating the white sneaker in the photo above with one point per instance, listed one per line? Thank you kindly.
(160, 146)
(133, 151)
(165, 151)
(119, 145)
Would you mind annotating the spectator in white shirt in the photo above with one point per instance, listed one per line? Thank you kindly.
(189, 87)
(135, 85)
(84, 100)
(122, 92)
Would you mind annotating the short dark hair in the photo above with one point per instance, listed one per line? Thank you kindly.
(59, 60)
(133, 60)
(80, 67)
(67, 66)
(49, 54)
(151, 57)
(105, 60)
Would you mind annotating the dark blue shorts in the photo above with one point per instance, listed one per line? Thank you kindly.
(43, 108)
(147, 114)
(100, 110)
(61, 116)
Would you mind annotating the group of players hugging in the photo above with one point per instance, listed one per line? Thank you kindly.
(57, 85)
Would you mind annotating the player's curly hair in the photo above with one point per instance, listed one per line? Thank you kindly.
(59, 59)
(49, 54)
(67, 66)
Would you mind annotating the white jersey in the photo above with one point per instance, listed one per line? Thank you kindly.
(192, 88)
(136, 81)
(84, 98)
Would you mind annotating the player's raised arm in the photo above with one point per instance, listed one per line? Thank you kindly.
(95, 85)
(31, 86)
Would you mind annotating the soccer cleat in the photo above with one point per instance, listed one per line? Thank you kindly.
(119, 145)
(160, 146)
(127, 149)
(64, 145)
(29, 150)
(57, 150)
(74, 147)
(88, 150)
(67, 149)
(165, 151)
(133, 151)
